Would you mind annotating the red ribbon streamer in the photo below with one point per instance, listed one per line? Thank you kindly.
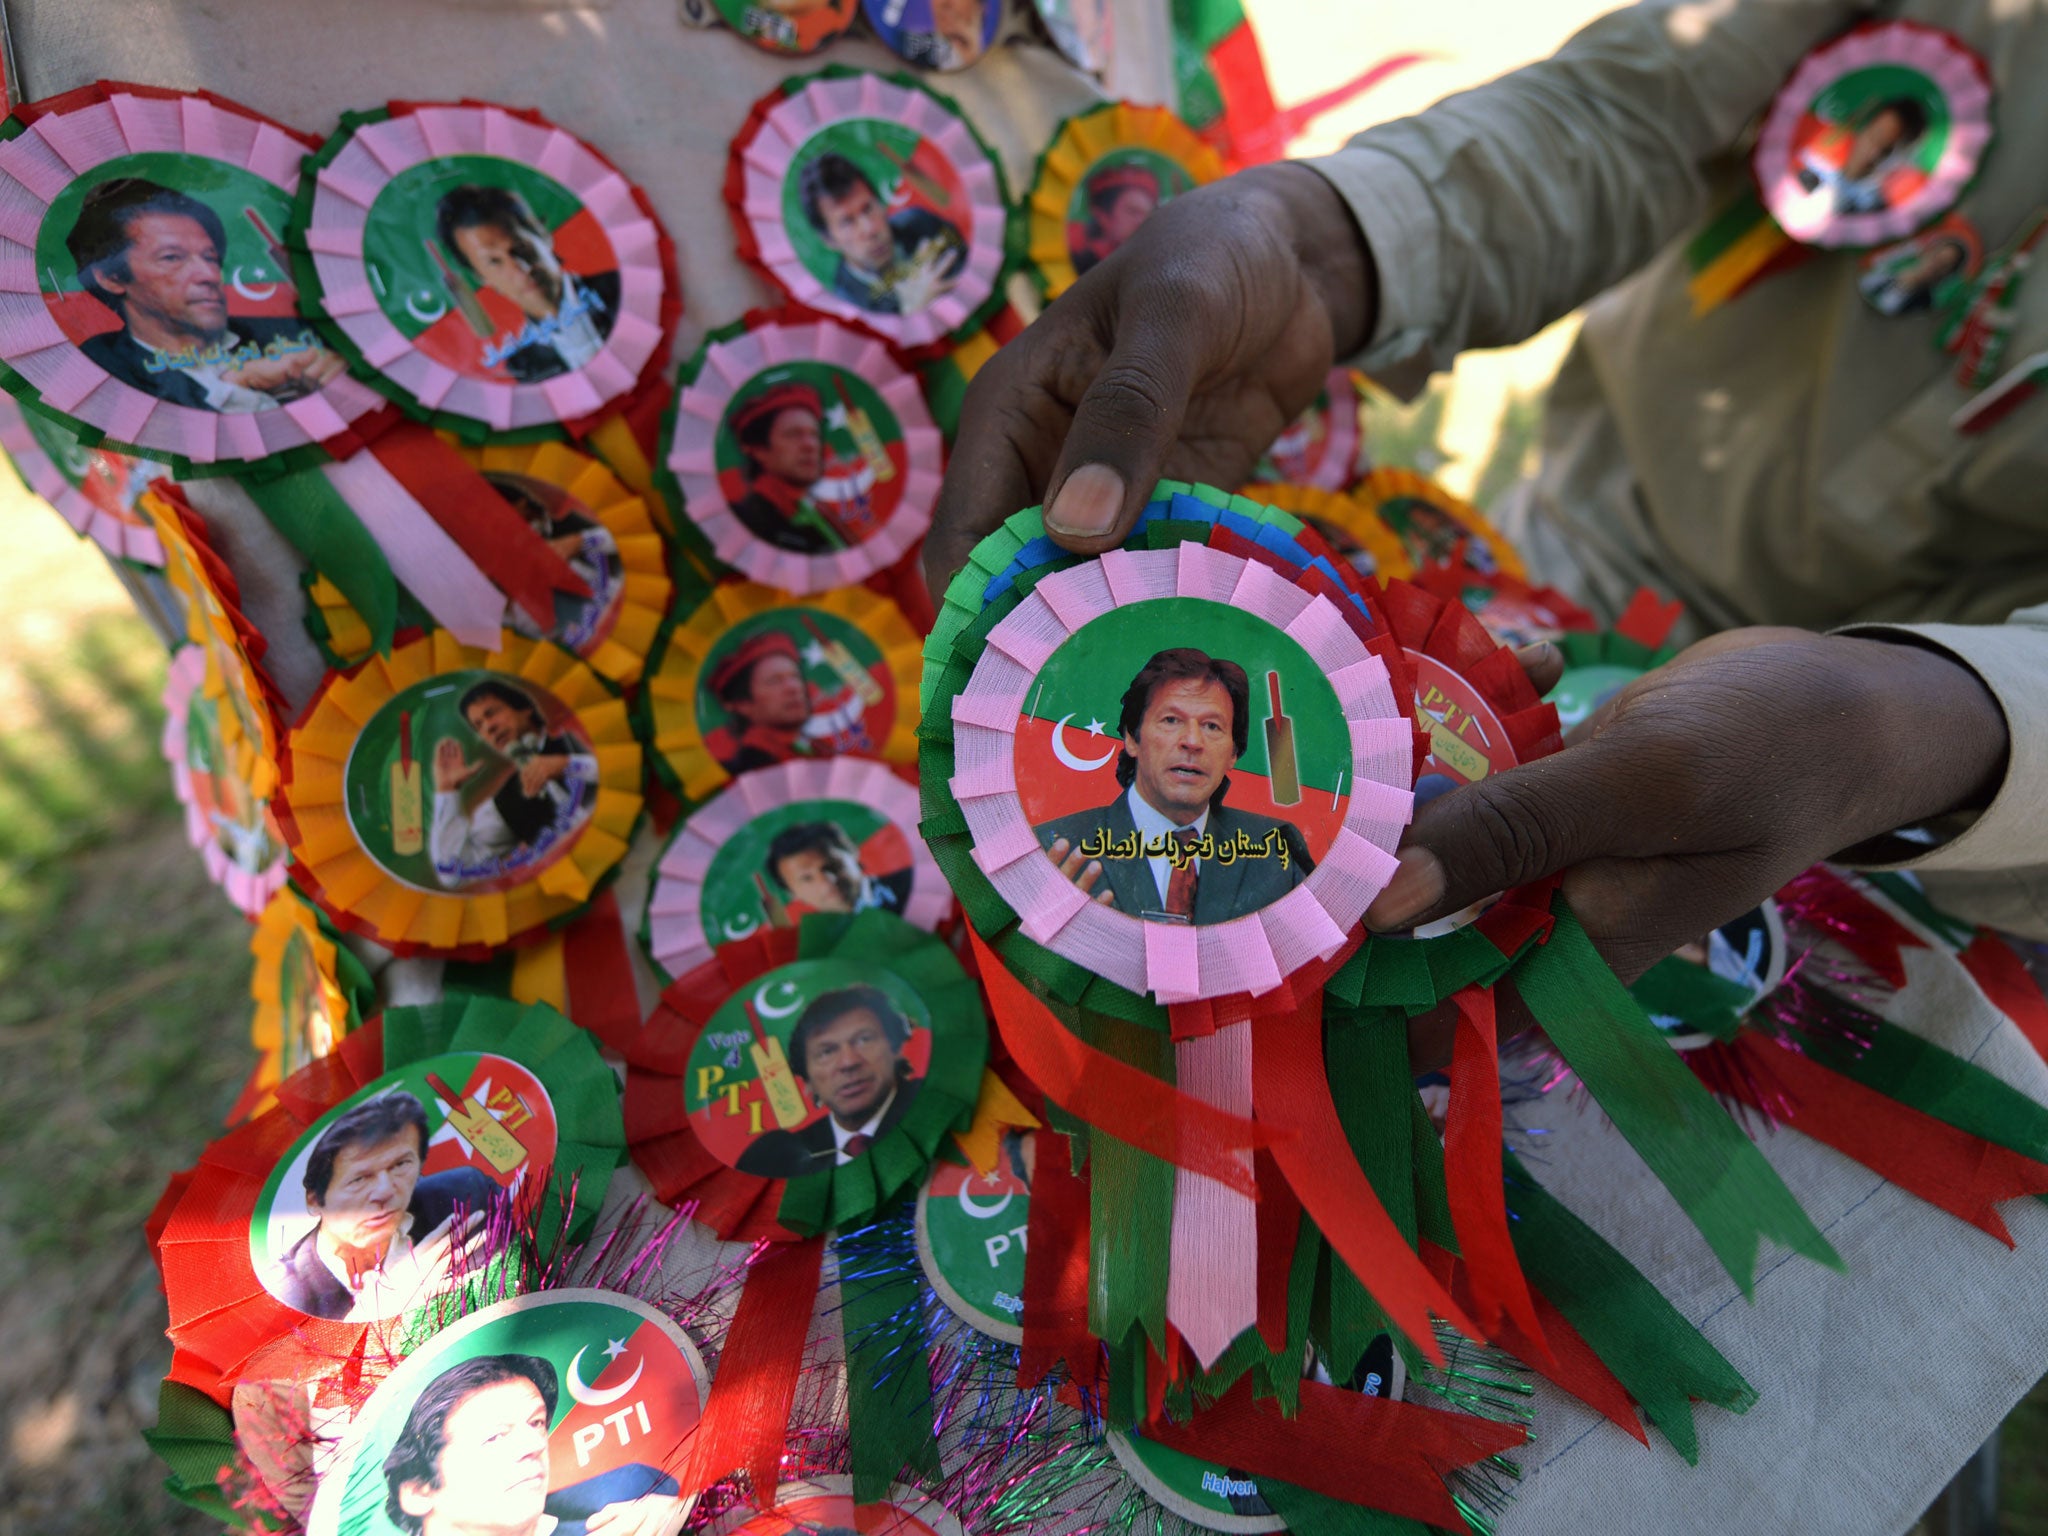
(746, 1421)
(1373, 1451)
(472, 513)
(1291, 1093)
(2009, 986)
(1056, 1273)
(1129, 1104)
(1279, 1226)
(1962, 1174)
(599, 972)
(1479, 1207)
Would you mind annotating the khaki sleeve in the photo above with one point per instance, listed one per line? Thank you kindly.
(1502, 208)
(1994, 867)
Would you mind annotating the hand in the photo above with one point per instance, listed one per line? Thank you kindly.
(1704, 787)
(433, 1256)
(1185, 353)
(637, 1517)
(1082, 870)
(290, 375)
(927, 277)
(535, 773)
(451, 769)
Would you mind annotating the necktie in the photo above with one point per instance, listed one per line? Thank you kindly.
(856, 1144)
(1180, 885)
(361, 1261)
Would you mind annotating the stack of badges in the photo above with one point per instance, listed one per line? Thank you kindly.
(92, 489)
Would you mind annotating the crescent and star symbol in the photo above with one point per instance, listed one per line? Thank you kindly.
(982, 1210)
(1065, 753)
(769, 1010)
(425, 316)
(257, 295)
(588, 1395)
(740, 927)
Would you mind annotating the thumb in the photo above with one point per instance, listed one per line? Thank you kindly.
(1126, 422)
(1506, 830)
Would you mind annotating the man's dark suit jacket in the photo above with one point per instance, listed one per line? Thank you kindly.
(910, 228)
(312, 1288)
(539, 360)
(574, 1505)
(1224, 890)
(791, 1154)
(128, 359)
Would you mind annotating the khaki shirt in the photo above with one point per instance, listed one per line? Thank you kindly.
(1785, 459)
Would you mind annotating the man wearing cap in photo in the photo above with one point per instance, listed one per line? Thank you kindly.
(799, 497)
(1120, 198)
(776, 713)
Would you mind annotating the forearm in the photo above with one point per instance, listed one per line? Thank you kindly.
(1502, 208)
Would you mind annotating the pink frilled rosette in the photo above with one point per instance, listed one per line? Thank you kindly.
(775, 135)
(1253, 953)
(54, 144)
(711, 383)
(370, 151)
(674, 931)
(73, 495)
(244, 855)
(1943, 61)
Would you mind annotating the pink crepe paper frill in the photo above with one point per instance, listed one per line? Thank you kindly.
(1248, 954)
(53, 151)
(727, 367)
(1963, 80)
(675, 921)
(762, 159)
(250, 890)
(124, 540)
(377, 152)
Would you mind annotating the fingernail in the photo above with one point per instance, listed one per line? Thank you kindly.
(1535, 654)
(1088, 504)
(1417, 886)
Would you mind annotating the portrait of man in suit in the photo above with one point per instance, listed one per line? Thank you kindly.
(1185, 722)
(847, 1050)
(817, 868)
(886, 263)
(488, 824)
(500, 242)
(153, 255)
(383, 1235)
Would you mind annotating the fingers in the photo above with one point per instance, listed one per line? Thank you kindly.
(1010, 428)
(1542, 663)
(1507, 830)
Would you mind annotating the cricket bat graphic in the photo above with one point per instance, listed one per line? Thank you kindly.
(841, 661)
(459, 291)
(1281, 764)
(408, 831)
(500, 1148)
(865, 437)
(773, 907)
(776, 1077)
(280, 263)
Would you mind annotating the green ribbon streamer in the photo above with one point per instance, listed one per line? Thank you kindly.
(195, 1438)
(1130, 1223)
(1661, 1359)
(1902, 893)
(1693, 995)
(318, 522)
(1367, 1057)
(888, 1369)
(1315, 1514)
(1921, 1075)
(1710, 1166)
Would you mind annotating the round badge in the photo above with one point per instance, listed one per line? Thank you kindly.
(1582, 690)
(1434, 526)
(1192, 819)
(786, 841)
(1223, 1498)
(755, 677)
(170, 324)
(536, 1414)
(789, 26)
(1365, 543)
(92, 489)
(1930, 270)
(872, 200)
(1084, 31)
(804, 453)
(374, 1206)
(1876, 134)
(483, 267)
(1749, 956)
(586, 515)
(1325, 445)
(970, 1236)
(807, 1068)
(448, 799)
(302, 1009)
(936, 34)
(1104, 173)
(226, 818)
(825, 1507)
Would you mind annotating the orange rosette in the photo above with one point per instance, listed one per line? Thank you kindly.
(1362, 539)
(1434, 526)
(450, 800)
